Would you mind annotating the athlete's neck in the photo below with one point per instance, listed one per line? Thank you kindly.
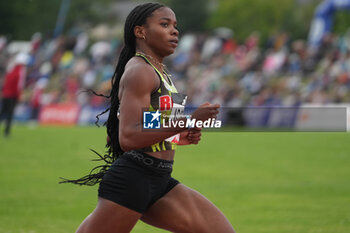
(156, 62)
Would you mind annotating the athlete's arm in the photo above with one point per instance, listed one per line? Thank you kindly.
(138, 82)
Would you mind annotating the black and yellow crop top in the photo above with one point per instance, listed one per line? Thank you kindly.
(169, 103)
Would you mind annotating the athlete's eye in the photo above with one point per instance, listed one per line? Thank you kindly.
(164, 25)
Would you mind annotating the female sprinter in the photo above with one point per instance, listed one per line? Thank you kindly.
(138, 185)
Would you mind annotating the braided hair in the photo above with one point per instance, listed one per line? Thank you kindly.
(137, 17)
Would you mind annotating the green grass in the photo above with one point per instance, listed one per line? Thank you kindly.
(263, 182)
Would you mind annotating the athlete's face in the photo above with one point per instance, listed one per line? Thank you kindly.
(161, 31)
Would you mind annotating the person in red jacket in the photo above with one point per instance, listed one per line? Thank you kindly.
(11, 90)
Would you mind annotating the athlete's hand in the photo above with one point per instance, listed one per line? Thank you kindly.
(194, 135)
(206, 111)
(191, 136)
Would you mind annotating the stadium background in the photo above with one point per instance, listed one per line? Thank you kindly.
(237, 53)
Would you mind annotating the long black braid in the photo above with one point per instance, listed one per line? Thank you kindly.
(137, 17)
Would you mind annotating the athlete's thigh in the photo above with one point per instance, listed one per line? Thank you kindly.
(185, 210)
(109, 217)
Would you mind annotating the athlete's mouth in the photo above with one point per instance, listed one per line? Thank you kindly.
(175, 41)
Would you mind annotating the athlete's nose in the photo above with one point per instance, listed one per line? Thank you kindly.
(175, 31)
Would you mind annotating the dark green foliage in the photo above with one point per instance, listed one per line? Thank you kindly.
(341, 22)
(20, 19)
(266, 16)
(191, 15)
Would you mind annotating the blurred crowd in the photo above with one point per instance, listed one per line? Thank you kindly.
(207, 67)
(280, 72)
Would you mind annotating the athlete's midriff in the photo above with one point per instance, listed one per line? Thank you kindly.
(166, 155)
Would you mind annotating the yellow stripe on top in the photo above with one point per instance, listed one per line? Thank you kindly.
(169, 86)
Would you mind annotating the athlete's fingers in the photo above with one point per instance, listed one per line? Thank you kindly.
(210, 106)
(195, 137)
(206, 111)
(195, 134)
(205, 104)
(195, 141)
(213, 106)
(214, 113)
(194, 130)
(216, 106)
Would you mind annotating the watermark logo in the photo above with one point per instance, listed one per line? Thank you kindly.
(189, 122)
(151, 120)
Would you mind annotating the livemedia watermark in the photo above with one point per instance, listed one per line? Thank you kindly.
(303, 118)
(155, 120)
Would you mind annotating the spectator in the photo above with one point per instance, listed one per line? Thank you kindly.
(11, 90)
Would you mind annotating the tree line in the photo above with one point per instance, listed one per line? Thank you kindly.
(21, 18)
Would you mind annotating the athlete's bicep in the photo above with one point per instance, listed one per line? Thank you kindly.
(137, 85)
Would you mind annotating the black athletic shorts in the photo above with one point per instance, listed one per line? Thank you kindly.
(136, 180)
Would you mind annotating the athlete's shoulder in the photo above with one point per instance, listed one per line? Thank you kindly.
(139, 74)
(137, 67)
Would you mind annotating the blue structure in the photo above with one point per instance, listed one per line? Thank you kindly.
(323, 19)
(61, 18)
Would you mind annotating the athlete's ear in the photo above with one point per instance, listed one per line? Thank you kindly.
(140, 32)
